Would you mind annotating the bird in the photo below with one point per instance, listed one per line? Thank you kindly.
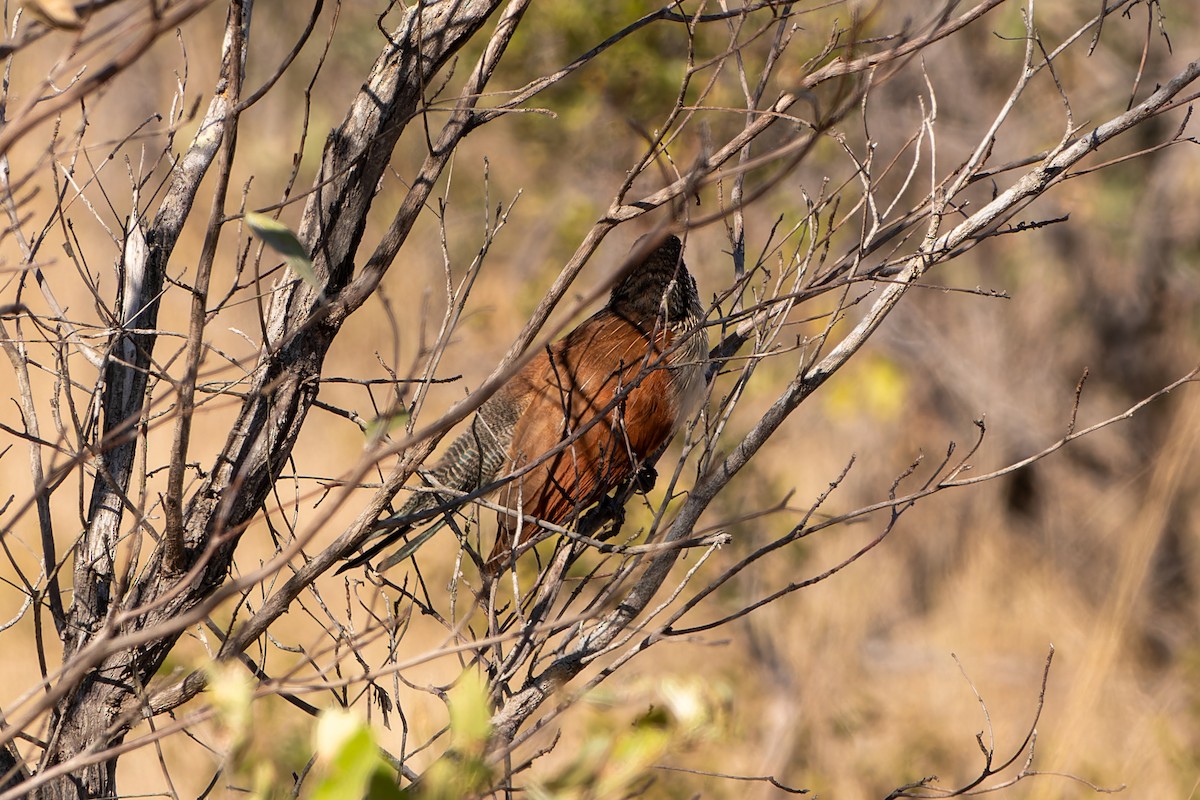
(609, 396)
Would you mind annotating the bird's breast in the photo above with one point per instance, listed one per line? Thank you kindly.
(687, 369)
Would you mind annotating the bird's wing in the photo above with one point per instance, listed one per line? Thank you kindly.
(579, 378)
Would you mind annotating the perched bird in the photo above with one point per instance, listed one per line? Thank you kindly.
(625, 372)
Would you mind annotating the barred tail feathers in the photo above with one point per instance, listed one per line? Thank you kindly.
(472, 461)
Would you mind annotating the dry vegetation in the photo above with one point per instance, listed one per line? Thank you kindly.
(931, 516)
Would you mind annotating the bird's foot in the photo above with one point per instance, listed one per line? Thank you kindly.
(595, 522)
(645, 479)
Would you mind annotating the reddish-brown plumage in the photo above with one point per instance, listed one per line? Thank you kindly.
(581, 417)
(600, 379)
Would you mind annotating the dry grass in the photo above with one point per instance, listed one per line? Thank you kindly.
(848, 688)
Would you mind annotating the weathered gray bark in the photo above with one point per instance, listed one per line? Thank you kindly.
(98, 696)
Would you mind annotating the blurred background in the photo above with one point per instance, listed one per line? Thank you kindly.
(878, 675)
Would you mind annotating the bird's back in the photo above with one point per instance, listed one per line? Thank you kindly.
(604, 390)
(585, 412)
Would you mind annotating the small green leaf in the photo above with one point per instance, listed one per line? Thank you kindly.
(470, 713)
(463, 771)
(385, 424)
(231, 693)
(280, 238)
(633, 756)
(353, 765)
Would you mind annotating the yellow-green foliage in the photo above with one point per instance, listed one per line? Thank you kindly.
(846, 687)
(350, 760)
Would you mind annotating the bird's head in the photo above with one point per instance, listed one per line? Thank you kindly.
(639, 295)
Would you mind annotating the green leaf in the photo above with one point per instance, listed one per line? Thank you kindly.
(279, 237)
(231, 694)
(386, 423)
(462, 771)
(353, 765)
(470, 713)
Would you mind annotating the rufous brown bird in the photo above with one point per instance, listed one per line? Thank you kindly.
(615, 390)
